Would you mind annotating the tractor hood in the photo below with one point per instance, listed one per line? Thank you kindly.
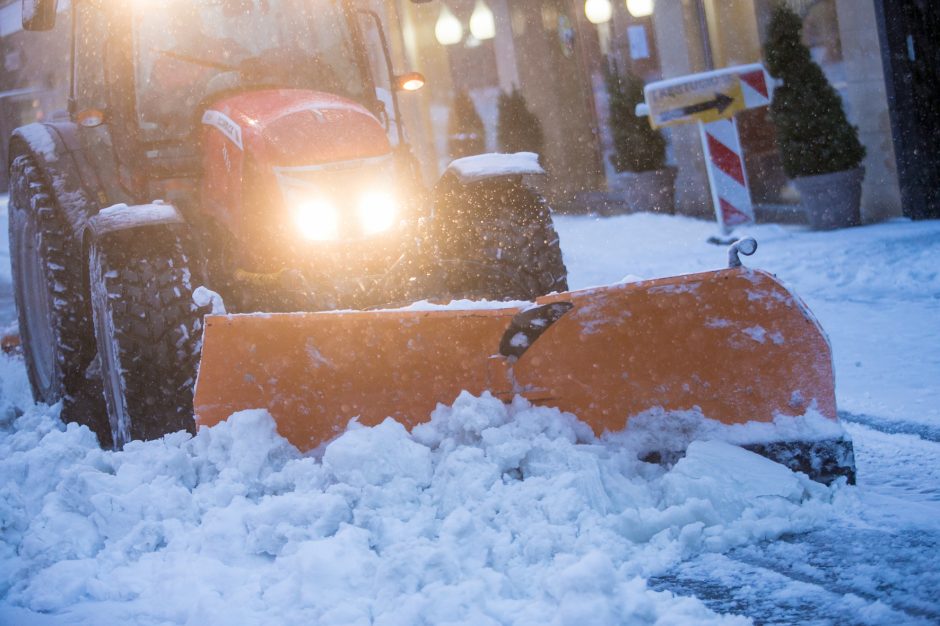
(291, 127)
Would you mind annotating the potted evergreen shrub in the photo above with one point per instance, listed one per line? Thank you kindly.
(465, 136)
(518, 128)
(639, 156)
(820, 149)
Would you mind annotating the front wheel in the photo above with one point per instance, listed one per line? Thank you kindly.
(496, 239)
(148, 331)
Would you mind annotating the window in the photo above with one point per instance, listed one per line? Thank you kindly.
(190, 50)
(92, 26)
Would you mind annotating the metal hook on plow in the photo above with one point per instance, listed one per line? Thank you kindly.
(746, 246)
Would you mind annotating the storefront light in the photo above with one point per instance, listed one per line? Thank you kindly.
(448, 29)
(482, 23)
(640, 8)
(598, 11)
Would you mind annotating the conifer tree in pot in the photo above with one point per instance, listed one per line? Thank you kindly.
(639, 156)
(518, 128)
(466, 135)
(821, 151)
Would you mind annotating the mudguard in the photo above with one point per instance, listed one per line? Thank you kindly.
(57, 151)
(494, 165)
(126, 217)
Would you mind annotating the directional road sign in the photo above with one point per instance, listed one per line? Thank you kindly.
(711, 100)
(708, 99)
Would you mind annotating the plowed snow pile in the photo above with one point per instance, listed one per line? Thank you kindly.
(488, 514)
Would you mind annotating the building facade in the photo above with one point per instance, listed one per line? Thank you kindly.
(553, 54)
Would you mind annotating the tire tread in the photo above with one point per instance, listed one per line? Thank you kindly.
(506, 229)
(62, 257)
(157, 330)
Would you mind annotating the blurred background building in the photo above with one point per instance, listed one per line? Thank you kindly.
(552, 51)
(880, 55)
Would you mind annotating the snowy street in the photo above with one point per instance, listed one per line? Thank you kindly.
(495, 514)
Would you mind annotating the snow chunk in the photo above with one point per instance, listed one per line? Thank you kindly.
(379, 455)
(761, 335)
(728, 475)
(482, 166)
(204, 297)
(757, 333)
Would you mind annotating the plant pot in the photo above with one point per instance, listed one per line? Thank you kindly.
(649, 192)
(832, 200)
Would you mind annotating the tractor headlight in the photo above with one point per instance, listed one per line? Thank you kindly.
(349, 200)
(377, 211)
(317, 219)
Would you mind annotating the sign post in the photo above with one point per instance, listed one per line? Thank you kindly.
(711, 100)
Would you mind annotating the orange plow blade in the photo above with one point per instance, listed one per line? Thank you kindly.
(316, 371)
(733, 343)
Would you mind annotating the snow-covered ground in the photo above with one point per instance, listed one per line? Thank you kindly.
(495, 514)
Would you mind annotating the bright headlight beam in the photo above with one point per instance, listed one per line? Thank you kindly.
(318, 220)
(377, 212)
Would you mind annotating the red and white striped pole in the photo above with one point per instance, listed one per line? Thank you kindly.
(711, 99)
(725, 159)
(726, 174)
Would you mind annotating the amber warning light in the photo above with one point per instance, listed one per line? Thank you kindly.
(412, 81)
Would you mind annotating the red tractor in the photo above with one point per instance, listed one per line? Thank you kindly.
(243, 146)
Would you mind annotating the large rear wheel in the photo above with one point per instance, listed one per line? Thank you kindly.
(148, 331)
(46, 266)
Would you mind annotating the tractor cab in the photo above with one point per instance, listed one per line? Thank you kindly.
(255, 118)
(189, 53)
(149, 79)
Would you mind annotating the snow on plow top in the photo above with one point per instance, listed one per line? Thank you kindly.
(482, 166)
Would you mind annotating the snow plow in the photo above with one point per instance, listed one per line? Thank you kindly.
(245, 151)
(733, 344)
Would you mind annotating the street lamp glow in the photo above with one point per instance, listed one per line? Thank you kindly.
(448, 29)
(482, 22)
(598, 11)
(640, 8)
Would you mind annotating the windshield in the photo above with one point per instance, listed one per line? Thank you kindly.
(189, 50)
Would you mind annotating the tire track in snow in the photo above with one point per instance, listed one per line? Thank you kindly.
(893, 427)
(819, 578)
(898, 465)
(873, 570)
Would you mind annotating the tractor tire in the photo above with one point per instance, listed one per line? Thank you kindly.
(46, 260)
(495, 239)
(148, 331)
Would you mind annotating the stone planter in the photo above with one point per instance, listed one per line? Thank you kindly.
(649, 192)
(832, 200)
